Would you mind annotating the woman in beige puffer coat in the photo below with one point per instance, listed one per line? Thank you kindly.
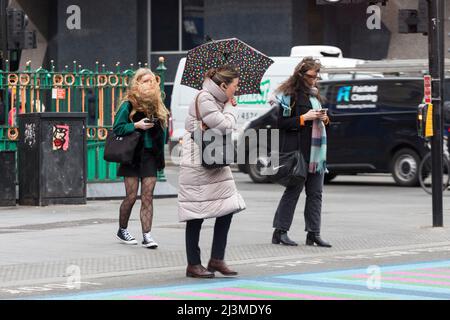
(209, 193)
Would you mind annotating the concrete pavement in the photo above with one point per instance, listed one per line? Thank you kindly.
(361, 219)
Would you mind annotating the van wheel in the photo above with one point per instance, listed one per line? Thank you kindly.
(405, 168)
(329, 176)
(254, 170)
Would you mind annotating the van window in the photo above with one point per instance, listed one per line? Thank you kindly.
(400, 95)
(323, 89)
(376, 96)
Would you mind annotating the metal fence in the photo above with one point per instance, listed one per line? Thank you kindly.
(97, 93)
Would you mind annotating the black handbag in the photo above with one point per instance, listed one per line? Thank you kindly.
(290, 170)
(219, 153)
(121, 148)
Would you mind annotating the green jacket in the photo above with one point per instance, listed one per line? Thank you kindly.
(123, 126)
(154, 138)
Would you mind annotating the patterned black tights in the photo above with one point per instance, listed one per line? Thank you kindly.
(131, 187)
(147, 186)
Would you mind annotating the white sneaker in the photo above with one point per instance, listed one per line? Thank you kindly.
(148, 241)
(124, 236)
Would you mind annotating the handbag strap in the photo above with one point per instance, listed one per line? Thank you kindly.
(197, 111)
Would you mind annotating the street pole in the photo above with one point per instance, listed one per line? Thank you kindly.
(4, 33)
(436, 9)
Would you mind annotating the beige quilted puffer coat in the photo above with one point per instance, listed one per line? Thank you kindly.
(207, 193)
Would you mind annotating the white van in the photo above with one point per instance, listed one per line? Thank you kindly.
(252, 106)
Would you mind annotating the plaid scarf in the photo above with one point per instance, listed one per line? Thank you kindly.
(317, 160)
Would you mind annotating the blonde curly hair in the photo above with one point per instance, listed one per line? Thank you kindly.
(145, 99)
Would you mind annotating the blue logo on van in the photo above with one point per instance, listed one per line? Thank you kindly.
(344, 94)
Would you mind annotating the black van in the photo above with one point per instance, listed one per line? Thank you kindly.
(373, 128)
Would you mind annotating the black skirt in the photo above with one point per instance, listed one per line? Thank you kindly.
(144, 164)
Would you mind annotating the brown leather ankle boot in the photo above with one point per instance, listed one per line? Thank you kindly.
(198, 271)
(221, 266)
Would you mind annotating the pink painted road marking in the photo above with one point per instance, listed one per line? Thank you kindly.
(280, 294)
(418, 274)
(407, 280)
(150, 298)
(216, 295)
(443, 270)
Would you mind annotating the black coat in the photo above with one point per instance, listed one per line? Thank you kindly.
(292, 135)
(157, 134)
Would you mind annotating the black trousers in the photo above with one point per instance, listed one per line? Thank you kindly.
(313, 204)
(219, 244)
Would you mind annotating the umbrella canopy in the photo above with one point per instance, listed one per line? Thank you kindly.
(249, 62)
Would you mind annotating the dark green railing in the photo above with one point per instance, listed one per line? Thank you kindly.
(78, 90)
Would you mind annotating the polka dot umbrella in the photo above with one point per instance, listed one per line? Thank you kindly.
(250, 63)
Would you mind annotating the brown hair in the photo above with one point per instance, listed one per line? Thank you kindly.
(296, 83)
(223, 74)
(144, 100)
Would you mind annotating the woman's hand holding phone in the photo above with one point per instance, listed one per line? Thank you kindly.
(323, 114)
(144, 124)
(311, 115)
(316, 114)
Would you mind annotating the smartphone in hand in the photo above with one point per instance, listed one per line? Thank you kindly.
(324, 110)
(151, 120)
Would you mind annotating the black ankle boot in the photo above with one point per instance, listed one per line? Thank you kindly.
(314, 237)
(280, 236)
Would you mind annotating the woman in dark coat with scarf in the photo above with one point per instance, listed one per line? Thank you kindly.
(302, 127)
